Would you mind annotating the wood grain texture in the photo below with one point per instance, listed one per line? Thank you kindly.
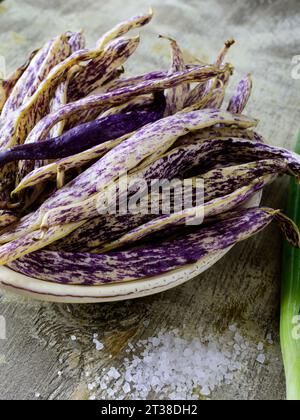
(244, 286)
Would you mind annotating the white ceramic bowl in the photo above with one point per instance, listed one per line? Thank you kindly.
(52, 292)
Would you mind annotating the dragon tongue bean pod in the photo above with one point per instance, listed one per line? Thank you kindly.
(34, 241)
(226, 121)
(218, 133)
(100, 230)
(239, 100)
(186, 157)
(176, 97)
(7, 218)
(59, 99)
(218, 183)
(7, 86)
(203, 89)
(76, 41)
(147, 260)
(125, 27)
(141, 102)
(47, 58)
(137, 80)
(98, 70)
(217, 97)
(222, 181)
(59, 51)
(192, 214)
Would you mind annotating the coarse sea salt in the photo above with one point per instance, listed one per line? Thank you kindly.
(176, 367)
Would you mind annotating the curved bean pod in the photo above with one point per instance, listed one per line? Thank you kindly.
(149, 260)
(176, 97)
(7, 86)
(239, 100)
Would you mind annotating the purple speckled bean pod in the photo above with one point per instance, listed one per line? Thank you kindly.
(218, 133)
(99, 230)
(141, 102)
(176, 220)
(76, 41)
(47, 58)
(203, 89)
(176, 97)
(98, 70)
(111, 78)
(7, 86)
(199, 93)
(178, 160)
(239, 100)
(7, 218)
(146, 261)
(33, 242)
(218, 182)
(137, 80)
(124, 27)
(59, 99)
(217, 98)
(25, 81)
(59, 51)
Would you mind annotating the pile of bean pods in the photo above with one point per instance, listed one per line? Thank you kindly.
(73, 124)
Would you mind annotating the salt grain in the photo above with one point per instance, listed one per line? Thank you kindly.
(92, 386)
(261, 358)
(113, 373)
(126, 388)
(98, 344)
(260, 346)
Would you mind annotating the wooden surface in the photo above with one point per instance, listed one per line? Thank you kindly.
(243, 287)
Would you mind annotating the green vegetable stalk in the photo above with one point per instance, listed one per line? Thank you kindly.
(290, 300)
